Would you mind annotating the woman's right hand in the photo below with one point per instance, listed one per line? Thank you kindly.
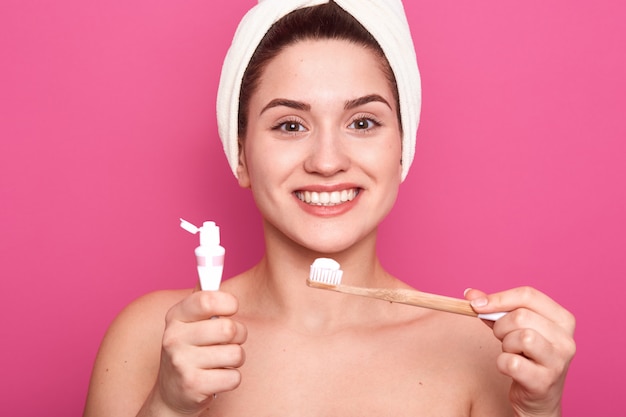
(200, 353)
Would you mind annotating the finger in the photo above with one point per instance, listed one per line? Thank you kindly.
(202, 384)
(203, 305)
(220, 330)
(529, 298)
(523, 318)
(528, 374)
(220, 380)
(530, 344)
(473, 293)
(218, 356)
(537, 341)
(538, 338)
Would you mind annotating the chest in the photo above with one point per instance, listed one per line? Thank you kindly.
(352, 374)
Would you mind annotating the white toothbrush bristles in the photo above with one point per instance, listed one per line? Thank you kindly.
(326, 271)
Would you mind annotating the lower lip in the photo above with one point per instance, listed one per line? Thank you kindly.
(328, 211)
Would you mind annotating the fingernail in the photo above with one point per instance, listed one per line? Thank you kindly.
(466, 291)
(479, 302)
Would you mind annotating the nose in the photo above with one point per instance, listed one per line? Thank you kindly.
(328, 154)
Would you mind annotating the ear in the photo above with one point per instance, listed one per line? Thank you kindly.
(242, 168)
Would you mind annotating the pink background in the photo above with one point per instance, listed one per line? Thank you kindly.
(108, 136)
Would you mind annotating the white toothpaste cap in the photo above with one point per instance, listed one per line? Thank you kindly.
(209, 232)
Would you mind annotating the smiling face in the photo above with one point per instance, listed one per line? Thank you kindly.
(323, 144)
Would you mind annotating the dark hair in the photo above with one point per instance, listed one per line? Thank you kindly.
(325, 21)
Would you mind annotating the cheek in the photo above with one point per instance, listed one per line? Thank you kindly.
(392, 165)
(257, 164)
(388, 157)
(269, 155)
(267, 166)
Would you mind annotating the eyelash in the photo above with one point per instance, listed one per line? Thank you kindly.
(365, 117)
(281, 125)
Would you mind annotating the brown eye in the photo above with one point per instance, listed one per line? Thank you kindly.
(289, 126)
(363, 123)
(292, 127)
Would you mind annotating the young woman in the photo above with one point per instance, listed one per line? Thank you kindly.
(321, 131)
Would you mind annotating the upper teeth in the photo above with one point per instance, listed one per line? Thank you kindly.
(326, 198)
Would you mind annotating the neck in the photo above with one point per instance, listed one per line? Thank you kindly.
(281, 293)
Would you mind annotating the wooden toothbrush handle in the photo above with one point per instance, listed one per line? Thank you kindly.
(404, 296)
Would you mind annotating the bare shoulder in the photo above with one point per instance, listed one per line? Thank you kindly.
(476, 350)
(146, 306)
(443, 347)
(143, 318)
(128, 359)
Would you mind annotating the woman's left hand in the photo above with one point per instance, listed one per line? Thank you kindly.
(537, 346)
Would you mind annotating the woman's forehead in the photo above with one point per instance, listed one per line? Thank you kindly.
(311, 68)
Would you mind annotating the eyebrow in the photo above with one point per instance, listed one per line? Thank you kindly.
(348, 105)
(298, 105)
(351, 104)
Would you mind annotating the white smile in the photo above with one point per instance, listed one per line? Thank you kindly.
(324, 198)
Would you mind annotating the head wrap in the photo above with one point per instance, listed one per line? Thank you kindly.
(386, 22)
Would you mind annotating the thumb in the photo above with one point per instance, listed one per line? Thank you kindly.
(473, 294)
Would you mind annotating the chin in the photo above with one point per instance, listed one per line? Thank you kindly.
(331, 243)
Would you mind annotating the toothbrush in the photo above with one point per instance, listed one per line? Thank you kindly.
(325, 274)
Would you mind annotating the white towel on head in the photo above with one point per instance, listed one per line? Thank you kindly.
(384, 19)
